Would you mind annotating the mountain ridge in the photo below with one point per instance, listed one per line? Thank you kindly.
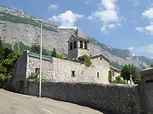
(17, 26)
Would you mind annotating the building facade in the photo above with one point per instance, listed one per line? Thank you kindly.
(65, 70)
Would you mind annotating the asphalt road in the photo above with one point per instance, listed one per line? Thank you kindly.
(14, 103)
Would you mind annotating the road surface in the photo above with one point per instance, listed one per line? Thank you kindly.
(14, 103)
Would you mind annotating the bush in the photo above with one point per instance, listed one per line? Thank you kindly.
(86, 60)
(33, 77)
(110, 76)
(2, 77)
(118, 80)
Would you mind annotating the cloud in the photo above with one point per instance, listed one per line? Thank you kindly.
(88, 1)
(52, 7)
(131, 48)
(142, 50)
(135, 2)
(148, 14)
(108, 14)
(67, 19)
(148, 29)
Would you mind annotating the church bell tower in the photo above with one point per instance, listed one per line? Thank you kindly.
(78, 44)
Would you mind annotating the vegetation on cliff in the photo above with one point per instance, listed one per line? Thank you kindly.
(17, 19)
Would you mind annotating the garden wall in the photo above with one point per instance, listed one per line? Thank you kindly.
(118, 99)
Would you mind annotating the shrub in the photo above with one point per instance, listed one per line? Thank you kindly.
(118, 80)
(110, 76)
(33, 77)
(86, 60)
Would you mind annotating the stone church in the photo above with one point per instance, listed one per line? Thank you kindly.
(66, 70)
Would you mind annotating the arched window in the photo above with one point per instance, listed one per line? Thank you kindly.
(81, 44)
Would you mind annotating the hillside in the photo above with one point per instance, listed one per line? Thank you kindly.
(19, 31)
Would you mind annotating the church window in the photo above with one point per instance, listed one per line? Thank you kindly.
(71, 46)
(37, 70)
(113, 73)
(101, 58)
(75, 44)
(85, 45)
(81, 44)
(72, 73)
(97, 74)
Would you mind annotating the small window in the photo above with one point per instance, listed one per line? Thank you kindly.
(97, 74)
(37, 70)
(70, 46)
(101, 58)
(113, 73)
(85, 45)
(72, 73)
(75, 44)
(81, 44)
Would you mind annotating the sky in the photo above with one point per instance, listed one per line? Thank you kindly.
(123, 24)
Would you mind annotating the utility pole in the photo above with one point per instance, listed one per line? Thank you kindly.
(40, 62)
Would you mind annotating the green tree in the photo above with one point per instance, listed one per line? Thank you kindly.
(151, 65)
(125, 72)
(1, 51)
(9, 62)
(54, 54)
(130, 71)
(118, 80)
(8, 59)
(36, 49)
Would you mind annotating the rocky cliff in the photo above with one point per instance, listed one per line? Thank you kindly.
(19, 31)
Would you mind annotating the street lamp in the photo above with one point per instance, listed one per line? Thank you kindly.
(40, 62)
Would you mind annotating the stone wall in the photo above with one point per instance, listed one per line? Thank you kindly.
(19, 76)
(147, 89)
(1, 83)
(118, 99)
(59, 70)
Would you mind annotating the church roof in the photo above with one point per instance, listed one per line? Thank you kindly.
(45, 57)
(115, 69)
(80, 35)
(100, 55)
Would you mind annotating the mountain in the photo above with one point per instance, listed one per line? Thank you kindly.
(19, 31)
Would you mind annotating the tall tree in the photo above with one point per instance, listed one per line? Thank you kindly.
(125, 72)
(54, 54)
(130, 71)
(36, 49)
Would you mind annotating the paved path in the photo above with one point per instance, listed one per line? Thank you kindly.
(13, 103)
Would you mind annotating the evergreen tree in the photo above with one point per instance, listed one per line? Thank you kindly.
(125, 72)
(130, 71)
(54, 54)
(36, 49)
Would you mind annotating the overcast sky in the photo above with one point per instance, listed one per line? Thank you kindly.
(124, 24)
